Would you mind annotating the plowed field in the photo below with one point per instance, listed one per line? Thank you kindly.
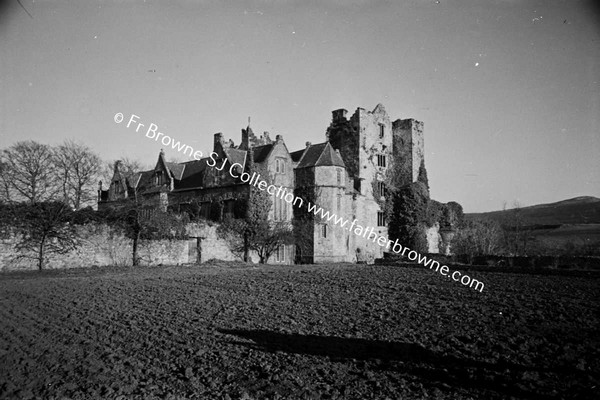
(298, 332)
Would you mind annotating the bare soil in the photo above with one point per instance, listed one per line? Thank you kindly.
(235, 331)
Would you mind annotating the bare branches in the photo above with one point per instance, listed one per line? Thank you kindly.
(35, 172)
(478, 237)
(45, 230)
(30, 171)
(5, 179)
(78, 168)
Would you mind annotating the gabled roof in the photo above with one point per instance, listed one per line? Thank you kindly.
(379, 109)
(330, 157)
(297, 155)
(262, 152)
(176, 169)
(193, 174)
(141, 179)
(235, 155)
(320, 155)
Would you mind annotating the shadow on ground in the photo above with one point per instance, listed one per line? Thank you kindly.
(504, 378)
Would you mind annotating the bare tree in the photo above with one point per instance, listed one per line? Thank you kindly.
(270, 237)
(45, 229)
(127, 167)
(478, 237)
(31, 171)
(78, 168)
(6, 191)
(139, 218)
(516, 235)
(254, 231)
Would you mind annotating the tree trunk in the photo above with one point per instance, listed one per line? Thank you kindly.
(41, 254)
(136, 239)
(246, 247)
(64, 187)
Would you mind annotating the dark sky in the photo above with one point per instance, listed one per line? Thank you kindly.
(508, 90)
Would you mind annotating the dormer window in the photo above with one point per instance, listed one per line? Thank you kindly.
(159, 178)
(118, 187)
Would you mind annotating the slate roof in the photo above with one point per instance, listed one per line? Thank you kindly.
(141, 179)
(261, 152)
(236, 155)
(190, 174)
(320, 155)
(297, 155)
(176, 169)
(193, 174)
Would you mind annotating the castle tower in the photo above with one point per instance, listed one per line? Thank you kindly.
(321, 179)
(366, 144)
(408, 148)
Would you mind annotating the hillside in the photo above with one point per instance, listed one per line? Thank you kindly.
(576, 211)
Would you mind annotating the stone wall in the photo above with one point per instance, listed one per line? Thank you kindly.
(433, 239)
(209, 243)
(409, 147)
(333, 247)
(100, 245)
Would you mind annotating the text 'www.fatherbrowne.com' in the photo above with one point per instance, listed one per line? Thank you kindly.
(370, 233)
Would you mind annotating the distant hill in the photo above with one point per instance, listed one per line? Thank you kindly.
(576, 211)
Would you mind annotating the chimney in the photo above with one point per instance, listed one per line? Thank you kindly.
(266, 138)
(250, 162)
(248, 139)
(218, 140)
(339, 115)
(279, 139)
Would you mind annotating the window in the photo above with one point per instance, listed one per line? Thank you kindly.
(280, 165)
(381, 131)
(324, 230)
(280, 253)
(380, 219)
(205, 209)
(280, 209)
(146, 213)
(159, 178)
(381, 189)
(381, 161)
(340, 181)
(118, 187)
(228, 207)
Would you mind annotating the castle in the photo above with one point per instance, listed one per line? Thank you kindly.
(344, 174)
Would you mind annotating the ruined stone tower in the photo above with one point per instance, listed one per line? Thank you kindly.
(369, 144)
(408, 147)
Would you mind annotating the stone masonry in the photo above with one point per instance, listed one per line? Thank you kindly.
(344, 175)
